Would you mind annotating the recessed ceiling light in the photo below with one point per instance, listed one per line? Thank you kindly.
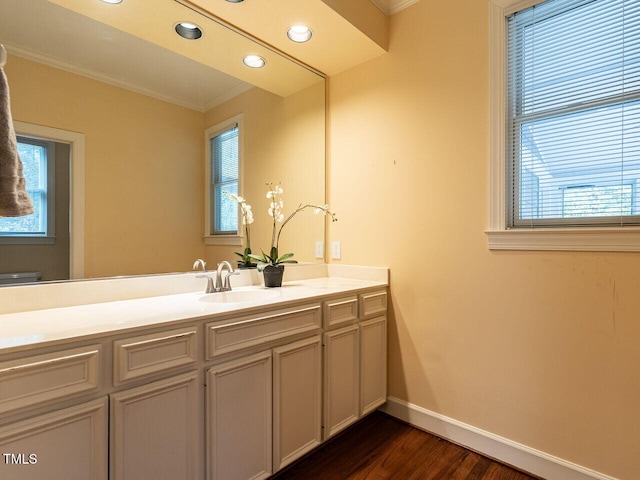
(254, 61)
(188, 30)
(235, 1)
(112, 1)
(299, 33)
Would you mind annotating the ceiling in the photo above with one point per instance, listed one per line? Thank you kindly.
(41, 31)
(90, 37)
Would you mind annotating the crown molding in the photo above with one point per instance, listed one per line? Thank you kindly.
(389, 7)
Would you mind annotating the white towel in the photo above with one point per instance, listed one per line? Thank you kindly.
(14, 199)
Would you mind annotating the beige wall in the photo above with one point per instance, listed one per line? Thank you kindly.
(144, 193)
(542, 348)
(283, 142)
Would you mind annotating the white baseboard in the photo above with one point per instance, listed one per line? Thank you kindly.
(512, 453)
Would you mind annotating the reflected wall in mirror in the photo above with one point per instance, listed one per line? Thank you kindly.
(142, 111)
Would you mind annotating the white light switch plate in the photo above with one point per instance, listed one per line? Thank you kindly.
(319, 249)
(335, 249)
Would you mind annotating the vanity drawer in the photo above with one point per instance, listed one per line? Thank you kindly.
(41, 379)
(251, 331)
(341, 311)
(146, 355)
(374, 303)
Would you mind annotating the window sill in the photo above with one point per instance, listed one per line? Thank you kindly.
(223, 240)
(579, 240)
(16, 240)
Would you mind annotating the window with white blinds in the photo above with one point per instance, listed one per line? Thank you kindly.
(573, 114)
(38, 162)
(224, 177)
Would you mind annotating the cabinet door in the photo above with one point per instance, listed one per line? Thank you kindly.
(66, 444)
(373, 364)
(297, 397)
(155, 430)
(341, 379)
(239, 432)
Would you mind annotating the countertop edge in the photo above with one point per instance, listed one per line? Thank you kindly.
(37, 335)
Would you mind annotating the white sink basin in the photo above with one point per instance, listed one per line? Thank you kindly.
(240, 296)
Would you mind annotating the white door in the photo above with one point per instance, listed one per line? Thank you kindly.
(239, 432)
(155, 430)
(373, 364)
(341, 379)
(297, 398)
(62, 445)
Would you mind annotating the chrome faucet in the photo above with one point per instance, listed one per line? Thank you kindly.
(217, 283)
(210, 285)
(198, 263)
(224, 286)
(211, 288)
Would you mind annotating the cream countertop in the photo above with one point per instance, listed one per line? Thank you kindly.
(29, 329)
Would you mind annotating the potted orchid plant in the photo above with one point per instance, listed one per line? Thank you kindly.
(247, 219)
(272, 264)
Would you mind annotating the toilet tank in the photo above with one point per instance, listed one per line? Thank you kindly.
(21, 277)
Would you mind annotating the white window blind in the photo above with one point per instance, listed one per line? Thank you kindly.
(224, 177)
(573, 114)
(38, 169)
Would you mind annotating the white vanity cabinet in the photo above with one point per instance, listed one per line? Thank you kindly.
(263, 409)
(155, 430)
(373, 364)
(341, 374)
(297, 400)
(234, 394)
(239, 412)
(61, 445)
(66, 443)
(373, 350)
(355, 379)
(155, 427)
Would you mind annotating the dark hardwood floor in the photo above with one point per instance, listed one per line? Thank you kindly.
(381, 447)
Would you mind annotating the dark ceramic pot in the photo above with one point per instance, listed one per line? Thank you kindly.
(273, 275)
(245, 265)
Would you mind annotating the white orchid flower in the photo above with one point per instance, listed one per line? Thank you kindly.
(276, 205)
(321, 208)
(247, 214)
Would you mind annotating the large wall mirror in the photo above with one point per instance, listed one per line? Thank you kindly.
(128, 101)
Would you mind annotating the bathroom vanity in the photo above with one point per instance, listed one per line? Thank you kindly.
(188, 385)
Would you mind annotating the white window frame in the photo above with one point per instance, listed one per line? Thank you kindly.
(49, 235)
(211, 132)
(77, 143)
(625, 239)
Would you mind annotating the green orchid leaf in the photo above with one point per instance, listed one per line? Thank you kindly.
(284, 257)
(261, 266)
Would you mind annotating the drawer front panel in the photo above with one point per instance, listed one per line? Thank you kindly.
(340, 312)
(252, 331)
(373, 304)
(32, 381)
(151, 354)
(67, 444)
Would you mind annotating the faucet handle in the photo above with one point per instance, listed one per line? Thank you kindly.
(227, 283)
(211, 284)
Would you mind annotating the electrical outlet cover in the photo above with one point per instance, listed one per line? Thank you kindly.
(335, 249)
